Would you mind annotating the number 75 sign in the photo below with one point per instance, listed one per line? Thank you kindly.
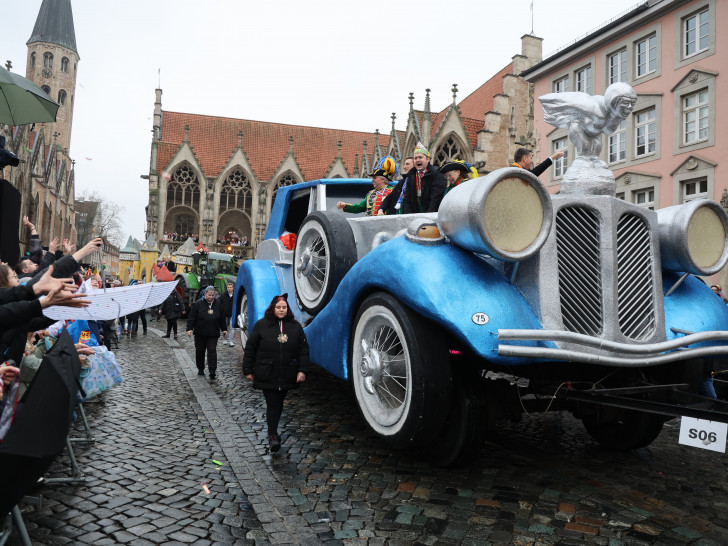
(703, 434)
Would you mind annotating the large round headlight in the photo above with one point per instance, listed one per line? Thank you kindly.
(507, 214)
(694, 237)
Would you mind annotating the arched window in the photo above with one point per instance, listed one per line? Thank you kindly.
(236, 192)
(448, 151)
(46, 89)
(286, 180)
(64, 64)
(61, 97)
(32, 60)
(184, 223)
(48, 60)
(184, 189)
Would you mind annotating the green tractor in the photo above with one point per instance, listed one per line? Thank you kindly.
(207, 269)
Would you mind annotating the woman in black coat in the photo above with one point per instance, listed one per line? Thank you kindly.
(172, 308)
(206, 320)
(276, 360)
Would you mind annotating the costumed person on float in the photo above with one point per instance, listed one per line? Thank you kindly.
(456, 172)
(382, 182)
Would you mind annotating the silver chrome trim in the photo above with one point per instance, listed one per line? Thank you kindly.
(591, 358)
(599, 343)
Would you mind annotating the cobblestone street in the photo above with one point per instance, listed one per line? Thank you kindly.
(160, 434)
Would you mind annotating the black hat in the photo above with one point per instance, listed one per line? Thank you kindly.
(382, 172)
(455, 166)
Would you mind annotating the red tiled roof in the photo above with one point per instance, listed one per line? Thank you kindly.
(481, 100)
(214, 139)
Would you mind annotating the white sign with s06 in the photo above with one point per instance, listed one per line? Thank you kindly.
(703, 434)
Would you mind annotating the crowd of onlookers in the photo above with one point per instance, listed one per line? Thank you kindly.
(176, 237)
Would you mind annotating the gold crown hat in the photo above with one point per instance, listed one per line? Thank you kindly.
(420, 149)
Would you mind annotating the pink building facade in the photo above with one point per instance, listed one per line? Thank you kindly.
(673, 146)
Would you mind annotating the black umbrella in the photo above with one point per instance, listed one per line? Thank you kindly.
(38, 433)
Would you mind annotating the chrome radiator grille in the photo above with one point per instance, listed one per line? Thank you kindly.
(579, 264)
(636, 309)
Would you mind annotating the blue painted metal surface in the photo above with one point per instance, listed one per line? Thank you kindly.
(694, 307)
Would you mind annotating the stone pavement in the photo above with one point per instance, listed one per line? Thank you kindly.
(541, 481)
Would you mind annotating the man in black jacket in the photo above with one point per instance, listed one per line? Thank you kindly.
(424, 186)
(392, 204)
(205, 321)
(227, 306)
(524, 159)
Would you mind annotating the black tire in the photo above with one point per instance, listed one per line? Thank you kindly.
(242, 319)
(622, 429)
(400, 369)
(325, 251)
(461, 437)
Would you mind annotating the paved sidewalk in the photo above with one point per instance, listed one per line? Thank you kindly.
(540, 481)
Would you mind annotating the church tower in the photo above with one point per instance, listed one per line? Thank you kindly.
(52, 64)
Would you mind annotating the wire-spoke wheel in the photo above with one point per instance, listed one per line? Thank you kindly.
(325, 251)
(401, 371)
(243, 323)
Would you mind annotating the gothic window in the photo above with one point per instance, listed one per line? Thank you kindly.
(448, 151)
(64, 64)
(184, 224)
(283, 181)
(46, 89)
(236, 193)
(61, 97)
(184, 189)
(32, 60)
(48, 60)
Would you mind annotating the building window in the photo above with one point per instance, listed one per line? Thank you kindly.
(645, 198)
(583, 80)
(64, 64)
(645, 133)
(449, 151)
(695, 117)
(618, 67)
(287, 180)
(620, 196)
(48, 60)
(694, 189)
(183, 189)
(645, 56)
(696, 33)
(560, 164)
(61, 97)
(32, 60)
(236, 192)
(618, 144)
(562, 85)
(46, 89)
(184, 225)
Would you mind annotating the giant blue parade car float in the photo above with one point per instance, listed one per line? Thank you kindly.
(507, 300)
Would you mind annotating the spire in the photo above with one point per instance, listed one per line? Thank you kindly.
(187, 133)
(394, 117)
(54, 25)
(377, 149)
(454, 93)
(427, 121)
(356, 165)
(412, 101)
(290, 144)
(240, 138)
(427, 102)
(338, 148)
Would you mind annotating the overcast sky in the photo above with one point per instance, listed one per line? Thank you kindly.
(325, 63)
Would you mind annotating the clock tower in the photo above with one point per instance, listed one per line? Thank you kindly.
(52, 64)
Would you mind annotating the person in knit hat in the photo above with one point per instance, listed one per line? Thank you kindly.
(425, 186)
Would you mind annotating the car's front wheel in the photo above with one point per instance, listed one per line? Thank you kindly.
(243, 318)
(400, 369)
